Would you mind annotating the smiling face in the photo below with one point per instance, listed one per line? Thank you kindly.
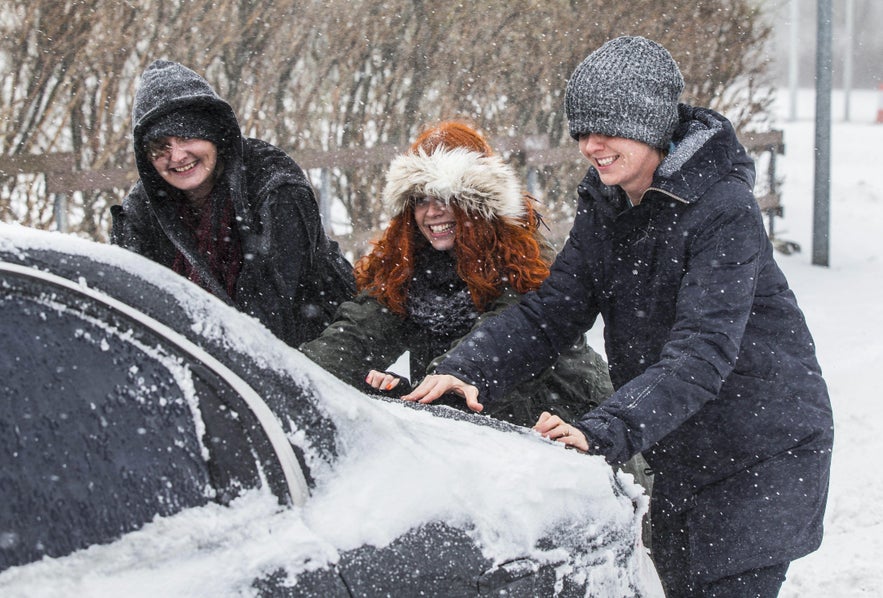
(185, 164)
(624, 162)
(436, 221)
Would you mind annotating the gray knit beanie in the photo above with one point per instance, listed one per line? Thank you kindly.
(191, 122)
(629, 87)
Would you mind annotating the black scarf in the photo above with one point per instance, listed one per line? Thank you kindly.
(438, 299)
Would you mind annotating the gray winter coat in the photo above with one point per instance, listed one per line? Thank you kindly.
(293, 277)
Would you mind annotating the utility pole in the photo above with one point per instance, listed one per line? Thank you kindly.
(847, 64)
(822, 193)
(793, 59)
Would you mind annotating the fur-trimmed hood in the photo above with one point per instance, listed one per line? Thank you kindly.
(479, 184)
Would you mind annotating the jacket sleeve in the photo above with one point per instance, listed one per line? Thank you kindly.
(524, 340)
(121, 232)
(713, 306)
(577, 382)
(363, 336)
(287, 238)
(134, 228)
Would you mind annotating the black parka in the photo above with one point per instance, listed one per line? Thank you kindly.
(715, 372)
(293, 277)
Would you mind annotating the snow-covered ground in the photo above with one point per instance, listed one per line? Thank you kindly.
(844, 305)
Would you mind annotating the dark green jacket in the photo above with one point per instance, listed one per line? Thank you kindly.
(365, 336)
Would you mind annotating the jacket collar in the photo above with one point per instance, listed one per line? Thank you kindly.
(704, 150)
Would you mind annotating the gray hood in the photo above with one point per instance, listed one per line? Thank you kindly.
(167, 87)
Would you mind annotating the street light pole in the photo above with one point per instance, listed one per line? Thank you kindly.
(847, 59)
(793, 60)
(822, 193)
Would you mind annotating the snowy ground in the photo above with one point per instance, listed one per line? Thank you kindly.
(843, 305)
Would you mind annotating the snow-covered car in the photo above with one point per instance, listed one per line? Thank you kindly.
(156, 441)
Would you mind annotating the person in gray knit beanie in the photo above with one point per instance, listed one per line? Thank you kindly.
(717, 381)
(629, 87)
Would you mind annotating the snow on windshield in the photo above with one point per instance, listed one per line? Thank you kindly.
(212, 319)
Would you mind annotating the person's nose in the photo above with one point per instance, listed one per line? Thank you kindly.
(591, 143)
(176, 151)
(437, 207)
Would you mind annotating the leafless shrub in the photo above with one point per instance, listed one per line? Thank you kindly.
(325, 75)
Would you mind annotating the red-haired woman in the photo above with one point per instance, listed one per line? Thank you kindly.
(462, 244)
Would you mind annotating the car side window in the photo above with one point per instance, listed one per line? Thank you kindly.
(98, 411)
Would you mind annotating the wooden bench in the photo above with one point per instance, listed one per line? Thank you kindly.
(767, 145)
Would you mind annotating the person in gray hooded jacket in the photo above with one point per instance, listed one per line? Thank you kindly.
(715, 370)
(234, 215)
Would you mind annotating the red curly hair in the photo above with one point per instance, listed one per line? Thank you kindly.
(489, 253)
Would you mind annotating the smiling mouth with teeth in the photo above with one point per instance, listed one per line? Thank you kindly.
(606, 161)
(441, 228)
(185, 168)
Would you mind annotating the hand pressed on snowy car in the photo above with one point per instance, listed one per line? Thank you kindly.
(437, 385)
(385, 380)
(554, 428)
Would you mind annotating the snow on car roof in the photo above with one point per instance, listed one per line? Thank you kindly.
(213, 319)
